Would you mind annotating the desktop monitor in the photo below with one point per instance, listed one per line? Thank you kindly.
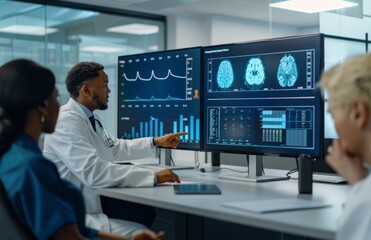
(159, 93)
(260, 98)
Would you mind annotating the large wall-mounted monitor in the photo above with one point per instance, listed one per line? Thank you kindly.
(159, 93)
(260, 98)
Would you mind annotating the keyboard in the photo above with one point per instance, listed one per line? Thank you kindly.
(156, 166)
(159, 167)
(325, 178)
(328, 178)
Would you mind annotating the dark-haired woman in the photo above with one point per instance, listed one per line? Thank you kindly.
(49, 206)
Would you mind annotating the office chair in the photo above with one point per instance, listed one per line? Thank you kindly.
(10, 226)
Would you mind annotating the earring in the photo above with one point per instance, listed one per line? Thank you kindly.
(43, 117)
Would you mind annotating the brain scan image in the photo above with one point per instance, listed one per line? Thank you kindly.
(254, 74)
(287, 73)
(225, 75)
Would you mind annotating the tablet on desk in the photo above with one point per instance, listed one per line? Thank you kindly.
(197, 188)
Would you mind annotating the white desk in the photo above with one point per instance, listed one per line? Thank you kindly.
(315, 223)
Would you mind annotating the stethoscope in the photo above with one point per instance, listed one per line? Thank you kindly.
(108, 141)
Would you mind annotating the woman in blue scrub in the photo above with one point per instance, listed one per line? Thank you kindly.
(50, 207)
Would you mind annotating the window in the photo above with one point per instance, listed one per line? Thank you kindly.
(59, 37)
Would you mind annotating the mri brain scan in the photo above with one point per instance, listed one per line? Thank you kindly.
(254, 74)
(225, 74)
(287, 73)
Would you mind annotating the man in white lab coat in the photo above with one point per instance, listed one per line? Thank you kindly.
(84, 153)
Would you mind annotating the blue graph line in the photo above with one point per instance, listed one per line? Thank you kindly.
(169, 98)
(169, 73)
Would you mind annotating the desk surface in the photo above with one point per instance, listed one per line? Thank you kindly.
(316, 223)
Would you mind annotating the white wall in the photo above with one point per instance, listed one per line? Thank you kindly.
(367, 8)
(309, 30)
(345, 26)
(230, 30)
(193, 30)
(187, 31)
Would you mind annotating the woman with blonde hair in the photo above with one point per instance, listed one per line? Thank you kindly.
(349, 90)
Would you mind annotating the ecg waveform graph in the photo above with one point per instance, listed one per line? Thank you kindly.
(155, 128)
(153, 76)
(164, 82)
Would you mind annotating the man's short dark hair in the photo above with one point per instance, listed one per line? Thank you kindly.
(80, 73)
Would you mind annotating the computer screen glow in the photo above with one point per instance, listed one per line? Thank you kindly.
(261, 97)
(159, 93)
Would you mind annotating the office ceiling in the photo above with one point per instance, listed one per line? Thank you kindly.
(257, 10)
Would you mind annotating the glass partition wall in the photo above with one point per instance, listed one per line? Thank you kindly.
(61, 36)
(337, 50)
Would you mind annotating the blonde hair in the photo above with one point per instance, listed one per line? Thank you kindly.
(349, 81)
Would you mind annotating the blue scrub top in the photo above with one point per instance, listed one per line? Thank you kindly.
(41, 199)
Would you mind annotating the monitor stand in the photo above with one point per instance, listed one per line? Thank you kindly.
(166, 160)
(255, 172)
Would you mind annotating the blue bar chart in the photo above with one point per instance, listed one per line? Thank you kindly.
(155, 128)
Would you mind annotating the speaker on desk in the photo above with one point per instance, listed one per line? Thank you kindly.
(305, 177)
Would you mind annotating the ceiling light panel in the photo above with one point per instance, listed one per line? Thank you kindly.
(135, 28)
(313, 6)
(28, 30)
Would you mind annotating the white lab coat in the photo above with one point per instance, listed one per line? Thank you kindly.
(356, 220)
(83, 158)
